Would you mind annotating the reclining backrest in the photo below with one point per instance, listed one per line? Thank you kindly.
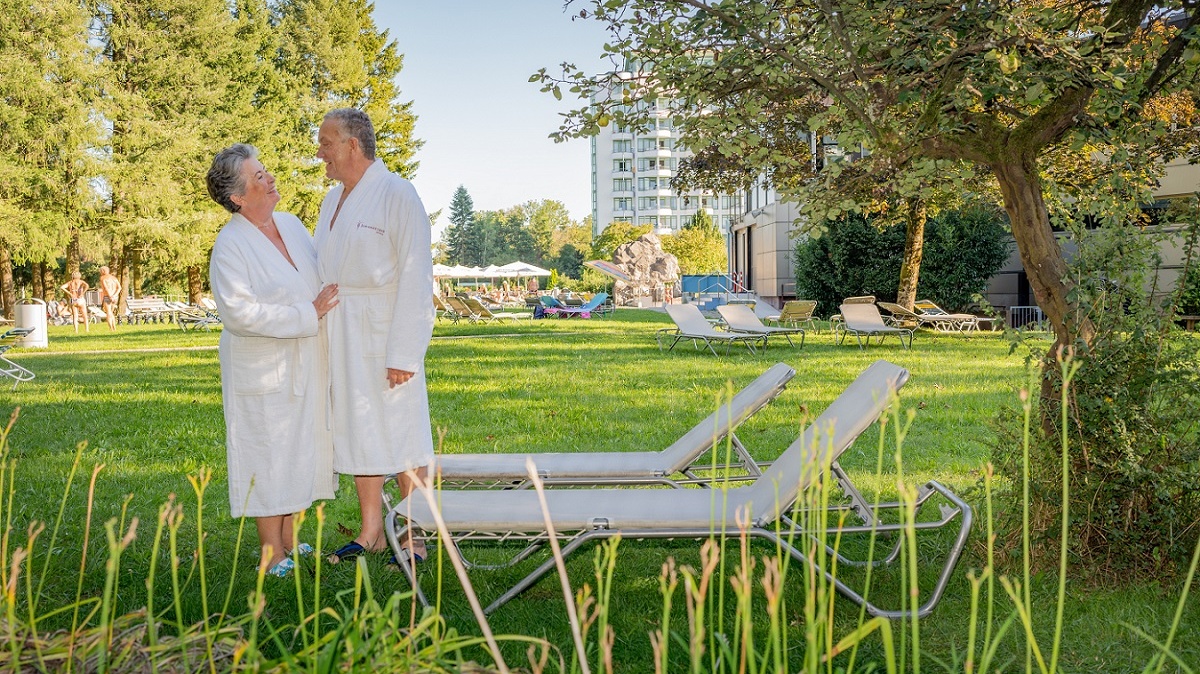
(824, 440)
(689, 319)
(684, 451)
(862, 317)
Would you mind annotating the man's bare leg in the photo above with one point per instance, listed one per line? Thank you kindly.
(370, 506)
(407, 486)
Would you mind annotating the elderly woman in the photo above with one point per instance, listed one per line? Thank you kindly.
(273, 363)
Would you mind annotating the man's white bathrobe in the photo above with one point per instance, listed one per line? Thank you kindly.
(378, 253)
(274, 377)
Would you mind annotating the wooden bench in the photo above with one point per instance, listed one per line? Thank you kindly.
(1189, 322)
(149, 310)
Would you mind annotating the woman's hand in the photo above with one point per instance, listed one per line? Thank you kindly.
(326, 300)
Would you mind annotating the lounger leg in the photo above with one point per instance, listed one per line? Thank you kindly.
(857, 502)
(528, 581)
(393, 537)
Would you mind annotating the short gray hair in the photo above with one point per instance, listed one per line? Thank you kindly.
(356, 124)
(224, 177)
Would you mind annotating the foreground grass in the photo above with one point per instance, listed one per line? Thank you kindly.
(153, 418)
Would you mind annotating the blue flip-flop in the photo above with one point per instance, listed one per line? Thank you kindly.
(411, 557)
(283, 569)
(347, 551)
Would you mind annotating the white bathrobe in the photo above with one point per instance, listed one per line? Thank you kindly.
(274, 378)
(378, 253)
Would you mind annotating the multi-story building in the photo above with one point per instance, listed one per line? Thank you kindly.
(763, 239)
(631, 179)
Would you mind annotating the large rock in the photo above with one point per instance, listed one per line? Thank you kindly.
(650, 268)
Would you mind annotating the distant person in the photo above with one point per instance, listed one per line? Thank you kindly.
(273, 365)
(532, 285)
(76, 290)
(110, 296)
(373, 241)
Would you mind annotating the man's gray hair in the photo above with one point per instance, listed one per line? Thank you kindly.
(356, 124)
(224, 177)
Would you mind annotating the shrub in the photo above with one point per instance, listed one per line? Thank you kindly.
(854, 256)
(1135, 490)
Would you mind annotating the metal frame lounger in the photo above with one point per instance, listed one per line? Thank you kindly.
(741, 318)
(592, 305)
(944, 320)
(691, 324)
(579, 516)
(479, 312)
(637, 467)
(900, 317)
(7, 341)
(796, 313)
(864, 322)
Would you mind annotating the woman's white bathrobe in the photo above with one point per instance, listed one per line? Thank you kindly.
(378, 254)
(274, 376)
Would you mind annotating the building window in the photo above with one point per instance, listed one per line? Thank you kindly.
(656, 164)
(622, 146)
(706, 202)
(622, 165)
(622, 184)
(648, 220)
(647, 183)
(623, 218)
(669, 221)
(623, 204)
(665, 143)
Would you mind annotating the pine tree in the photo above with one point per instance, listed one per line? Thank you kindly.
(46, 130)
(334, 56)
(462, 216)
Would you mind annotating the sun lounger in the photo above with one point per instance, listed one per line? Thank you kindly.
(579, 516)
(796, 313)
(691, 324)
(899, 317)
(945, 321)
(864, 322)
(7, 341)
(489, 470)
(584, 310)
(482, 314)
(741, 318)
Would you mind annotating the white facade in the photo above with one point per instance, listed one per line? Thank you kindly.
(631, 180)
(763, 240)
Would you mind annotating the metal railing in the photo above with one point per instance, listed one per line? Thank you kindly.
(1031, 316)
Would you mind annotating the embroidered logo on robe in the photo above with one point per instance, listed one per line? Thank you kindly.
(377, 230)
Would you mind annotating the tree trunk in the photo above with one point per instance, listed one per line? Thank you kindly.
(73, 253)
(1047, 270)
(914, 250)
(195, 290)
(49, 282)
(134, 257)
(36, 270)
(7, 292)
(116, 265)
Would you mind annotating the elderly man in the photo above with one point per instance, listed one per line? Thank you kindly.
(373, 241)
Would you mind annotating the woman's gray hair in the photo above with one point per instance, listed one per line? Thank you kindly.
(356, 124)
(224, 177)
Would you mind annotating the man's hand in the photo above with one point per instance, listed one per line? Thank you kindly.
(398, 377)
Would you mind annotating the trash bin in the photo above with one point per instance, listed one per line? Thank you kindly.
(31, 313)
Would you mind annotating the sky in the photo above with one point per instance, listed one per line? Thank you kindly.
(466, 69)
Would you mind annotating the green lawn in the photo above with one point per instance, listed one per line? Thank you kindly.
(152, 417)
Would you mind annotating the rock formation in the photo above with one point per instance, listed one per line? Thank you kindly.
(650, 268)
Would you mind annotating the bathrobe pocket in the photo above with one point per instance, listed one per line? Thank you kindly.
(258, 366)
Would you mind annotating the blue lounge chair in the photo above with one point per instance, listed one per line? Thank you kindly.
(584, 310)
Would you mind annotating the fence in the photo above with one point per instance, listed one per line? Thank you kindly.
(1025, 316)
